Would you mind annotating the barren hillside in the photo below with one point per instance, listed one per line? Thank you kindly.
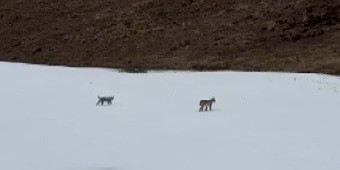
(266, 35)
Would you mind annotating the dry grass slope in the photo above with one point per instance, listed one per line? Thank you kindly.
(266, 35)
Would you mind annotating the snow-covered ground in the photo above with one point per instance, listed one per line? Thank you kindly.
(260, 121)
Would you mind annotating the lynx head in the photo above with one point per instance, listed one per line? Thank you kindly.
(213, 99)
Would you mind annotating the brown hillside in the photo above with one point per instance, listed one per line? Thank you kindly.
(266, 35)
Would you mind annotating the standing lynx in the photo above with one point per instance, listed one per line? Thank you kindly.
(206, 104)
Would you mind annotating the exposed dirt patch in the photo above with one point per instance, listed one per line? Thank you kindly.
(266, 35)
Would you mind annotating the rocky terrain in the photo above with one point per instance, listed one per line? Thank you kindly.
(263, 35)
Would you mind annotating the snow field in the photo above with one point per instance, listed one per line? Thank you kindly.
(260, 121)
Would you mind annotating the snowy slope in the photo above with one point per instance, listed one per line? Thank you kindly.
(260, 121)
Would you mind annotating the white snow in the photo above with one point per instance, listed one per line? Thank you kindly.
(260, 121)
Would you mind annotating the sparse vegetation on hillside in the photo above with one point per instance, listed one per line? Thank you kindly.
(267, 35)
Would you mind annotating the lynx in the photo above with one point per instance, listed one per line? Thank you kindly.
(206, 104)
(102, 100)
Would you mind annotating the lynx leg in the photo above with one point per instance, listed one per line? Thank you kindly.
(201, 108)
